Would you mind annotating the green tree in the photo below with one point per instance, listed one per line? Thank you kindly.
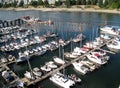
(40, 2)
(105, 4)
(46, 4)
(1, 5)
(34, 3)
(73, 2)
(93, 2)
(83, 2)
(21, 4)
(14, 4)
(88, 2)
(5, 5)
(67, 3)
(100, 3)
(78, 2)
(58, 3)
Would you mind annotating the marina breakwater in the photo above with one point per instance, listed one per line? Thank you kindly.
(9, 23)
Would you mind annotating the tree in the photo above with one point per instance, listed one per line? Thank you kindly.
(58, 3)
(40, 2)
(14, 4)
(88, 2)
(34, 3)
(83, 2)
(46, 3)
(1, 5)
(105, 4)
(78, 2)
(93, 2)
(67, 3)
(100, 3)
(21, 4)
(5, 5)
(72, 2)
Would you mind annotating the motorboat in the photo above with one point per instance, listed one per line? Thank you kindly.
(89, 64)
(114, 45)
(61, 80)
(37, 72)
(105, 36)
(41, 52)
(81, 50)
(98, 53)
(51, 65)
(99, 60)
(29, 75)
(45, 68)
(114, 30)
(75, 78)
(71, 55)
(80, 67)
(22, 57)
(8, 76)
(89, 45)
(58, 60)
(11, 58)
(79, 37)
(76, 51)
(3, 60)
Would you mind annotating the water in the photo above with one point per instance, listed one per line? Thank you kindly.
(68, 25)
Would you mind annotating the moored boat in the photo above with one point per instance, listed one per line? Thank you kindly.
(29, 75)
(37, 72)
(58, 60)
(61, 80)
(80, 67)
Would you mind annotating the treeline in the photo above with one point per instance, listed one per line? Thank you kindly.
(108, 4)
(15, 4)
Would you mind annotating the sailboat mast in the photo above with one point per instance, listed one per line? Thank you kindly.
(71, 44)
(29, 63)
(81, 32)
(59, 51)
(63, 58)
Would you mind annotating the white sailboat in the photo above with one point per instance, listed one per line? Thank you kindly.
(58, 60)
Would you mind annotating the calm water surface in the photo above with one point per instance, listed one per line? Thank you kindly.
(67, 24)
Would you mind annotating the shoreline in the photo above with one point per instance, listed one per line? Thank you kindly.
(63, 10)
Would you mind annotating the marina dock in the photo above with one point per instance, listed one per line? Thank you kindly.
(28, 82)
(48, 74)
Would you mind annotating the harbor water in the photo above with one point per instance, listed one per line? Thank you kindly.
(67, 25)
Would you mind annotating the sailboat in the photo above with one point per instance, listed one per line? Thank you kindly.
(58, 60)
(29, 75)
(61, 79)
